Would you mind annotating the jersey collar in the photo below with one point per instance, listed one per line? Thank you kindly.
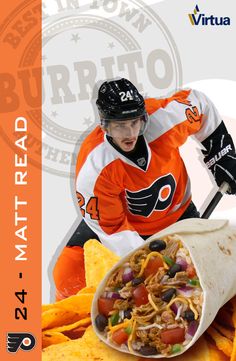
(126, 160)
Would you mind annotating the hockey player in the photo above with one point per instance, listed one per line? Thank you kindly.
(131, 180)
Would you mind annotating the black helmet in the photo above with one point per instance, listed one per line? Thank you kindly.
(119, 100)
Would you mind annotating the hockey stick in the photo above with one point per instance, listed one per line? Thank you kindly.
(215, 200)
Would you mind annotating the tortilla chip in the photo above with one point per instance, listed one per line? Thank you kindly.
(224, 317)
(80, 303)
(47, 307)
(98, 261)
(87, 290)
(222, 343)
(216, 355)
(233, 302)
(87, 348)
(75, 333)
(229, 333)
(233, 355)
(83, 322)
(52, 338)
(57, 317)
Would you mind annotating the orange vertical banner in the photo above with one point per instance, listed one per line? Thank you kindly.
(20, 180)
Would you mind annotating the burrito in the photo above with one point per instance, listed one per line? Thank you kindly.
(160, 298)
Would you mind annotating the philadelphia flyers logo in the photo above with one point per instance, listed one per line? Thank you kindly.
(157, 197)
(20, 340)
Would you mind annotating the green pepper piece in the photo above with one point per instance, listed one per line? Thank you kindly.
(128, 330)
(168, 260)
(194, 282)
(176, 348)
(114, 318)
(116, 289)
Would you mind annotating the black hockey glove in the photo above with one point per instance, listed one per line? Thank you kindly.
(220, 157)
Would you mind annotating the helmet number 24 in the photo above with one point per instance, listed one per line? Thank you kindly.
(125, 96)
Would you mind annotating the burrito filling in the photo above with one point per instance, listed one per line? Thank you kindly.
(152, 304)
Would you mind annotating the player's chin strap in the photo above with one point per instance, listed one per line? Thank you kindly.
(215, 200)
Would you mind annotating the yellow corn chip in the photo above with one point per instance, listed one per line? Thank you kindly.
(216, 355)
(83, 322)
(233, 301)
(80, 303)
(52, 338)
(98, 261)
(224, 331)
(57, 317)
(233, 355)
(87, 348)
(222, 343)
(47, 307)
(87, 290)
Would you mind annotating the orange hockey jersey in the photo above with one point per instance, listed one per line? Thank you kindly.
(121, 200)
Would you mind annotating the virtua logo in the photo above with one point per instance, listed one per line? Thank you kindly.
(202, 19)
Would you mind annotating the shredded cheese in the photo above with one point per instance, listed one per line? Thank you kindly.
(144, 263)
(152, 302)
(181, 299)
(193, 309)
(120, 325)
(130, 339)
(187, 302)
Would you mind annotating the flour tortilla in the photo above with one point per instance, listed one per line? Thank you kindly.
(212, 247)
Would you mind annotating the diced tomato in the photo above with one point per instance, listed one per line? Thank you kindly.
(153, 265)
(140, 295)
(105, 305)
(191, 272)
(173, 336)
(120, 336)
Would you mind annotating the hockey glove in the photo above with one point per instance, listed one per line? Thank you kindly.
(220, 157)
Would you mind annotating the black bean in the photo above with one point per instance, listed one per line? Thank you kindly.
(148, 350)
(168, 294)
(101, 322)
(127, 313)
(189, 315)
(157, 245)
(137, 281)
(174, 269)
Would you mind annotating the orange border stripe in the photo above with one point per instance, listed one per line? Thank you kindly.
(20, 223)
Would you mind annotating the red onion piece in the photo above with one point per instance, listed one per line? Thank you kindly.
(127, 275)
(111, 294)
(182, 263)
(185, 291)
(174, 307)
(192, 328)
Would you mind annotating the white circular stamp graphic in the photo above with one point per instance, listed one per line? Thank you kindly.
(82, 46)
(85, 46)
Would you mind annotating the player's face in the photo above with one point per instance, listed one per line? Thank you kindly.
(125, 133)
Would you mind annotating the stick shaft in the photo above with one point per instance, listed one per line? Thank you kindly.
(215, 200)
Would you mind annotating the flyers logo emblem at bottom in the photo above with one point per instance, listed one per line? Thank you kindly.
(157, 197)
(21, 340)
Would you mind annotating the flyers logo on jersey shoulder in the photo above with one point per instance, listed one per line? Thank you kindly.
(157, 197)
